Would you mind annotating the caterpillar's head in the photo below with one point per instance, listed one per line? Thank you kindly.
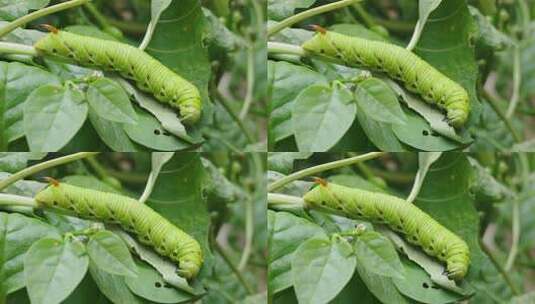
(458, 108)
(189, 269)
(457, 261)
(190, 112)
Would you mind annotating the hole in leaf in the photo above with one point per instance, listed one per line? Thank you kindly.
(425, 285)
(425, 133)
(157, 284)
(157, 132)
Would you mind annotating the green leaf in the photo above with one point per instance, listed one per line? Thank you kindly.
(286, 82)
(17, 81)
(283, 162)
(321, 268)
(378, 101)
(380, 133)
(13, 9)
(53, 268)
(110, 101)
(278, 10)
(418, 286)
(112, 133)
(150, 285)
(381, 287)
(110, 253)
(52, 116)
(17, 234)
(485, 188)
(286, 232)
(148, 132)
(113, 286)
(377, 255)
(321, 116)
(13, 162)
(418, 134)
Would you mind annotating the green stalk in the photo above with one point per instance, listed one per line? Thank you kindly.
(320, 168)
(307, 14)
(250, 81)
(234, 269)
(285, 48)
(517, 79)
(43, 166)
(38, 14)
(16, 48)
(17, 200)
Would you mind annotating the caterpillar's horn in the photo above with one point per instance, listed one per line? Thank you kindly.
(52, 181)
(50, 28)
(317, 28)
(320, 181)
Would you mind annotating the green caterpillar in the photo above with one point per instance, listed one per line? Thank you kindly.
(418, 227)
(148, 73)
(150, 227)
(417, 75)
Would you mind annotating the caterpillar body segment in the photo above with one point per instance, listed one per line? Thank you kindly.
(398, 63)
(148, 73)
(417, 227)
(150, 227)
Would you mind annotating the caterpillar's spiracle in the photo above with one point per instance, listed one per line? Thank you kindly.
(417, 227)
(150, 227)
(148, 73)
(417, 75)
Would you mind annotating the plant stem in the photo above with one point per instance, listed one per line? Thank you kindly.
(43, 166)
(366, 18)
(285, 48)
(250, 81)
(99, 18)
(17, 200)
(16, 48)
(307, 14)
(256, 163)
(320, 168)
(517, 79)
(234, 269)
(502, 271)
(129, 27)
(249, 234)
(38, 14)
(223, 100)
(397, 26)
(516, 236)
(97, 167)
(494, 103)
(275, 199)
